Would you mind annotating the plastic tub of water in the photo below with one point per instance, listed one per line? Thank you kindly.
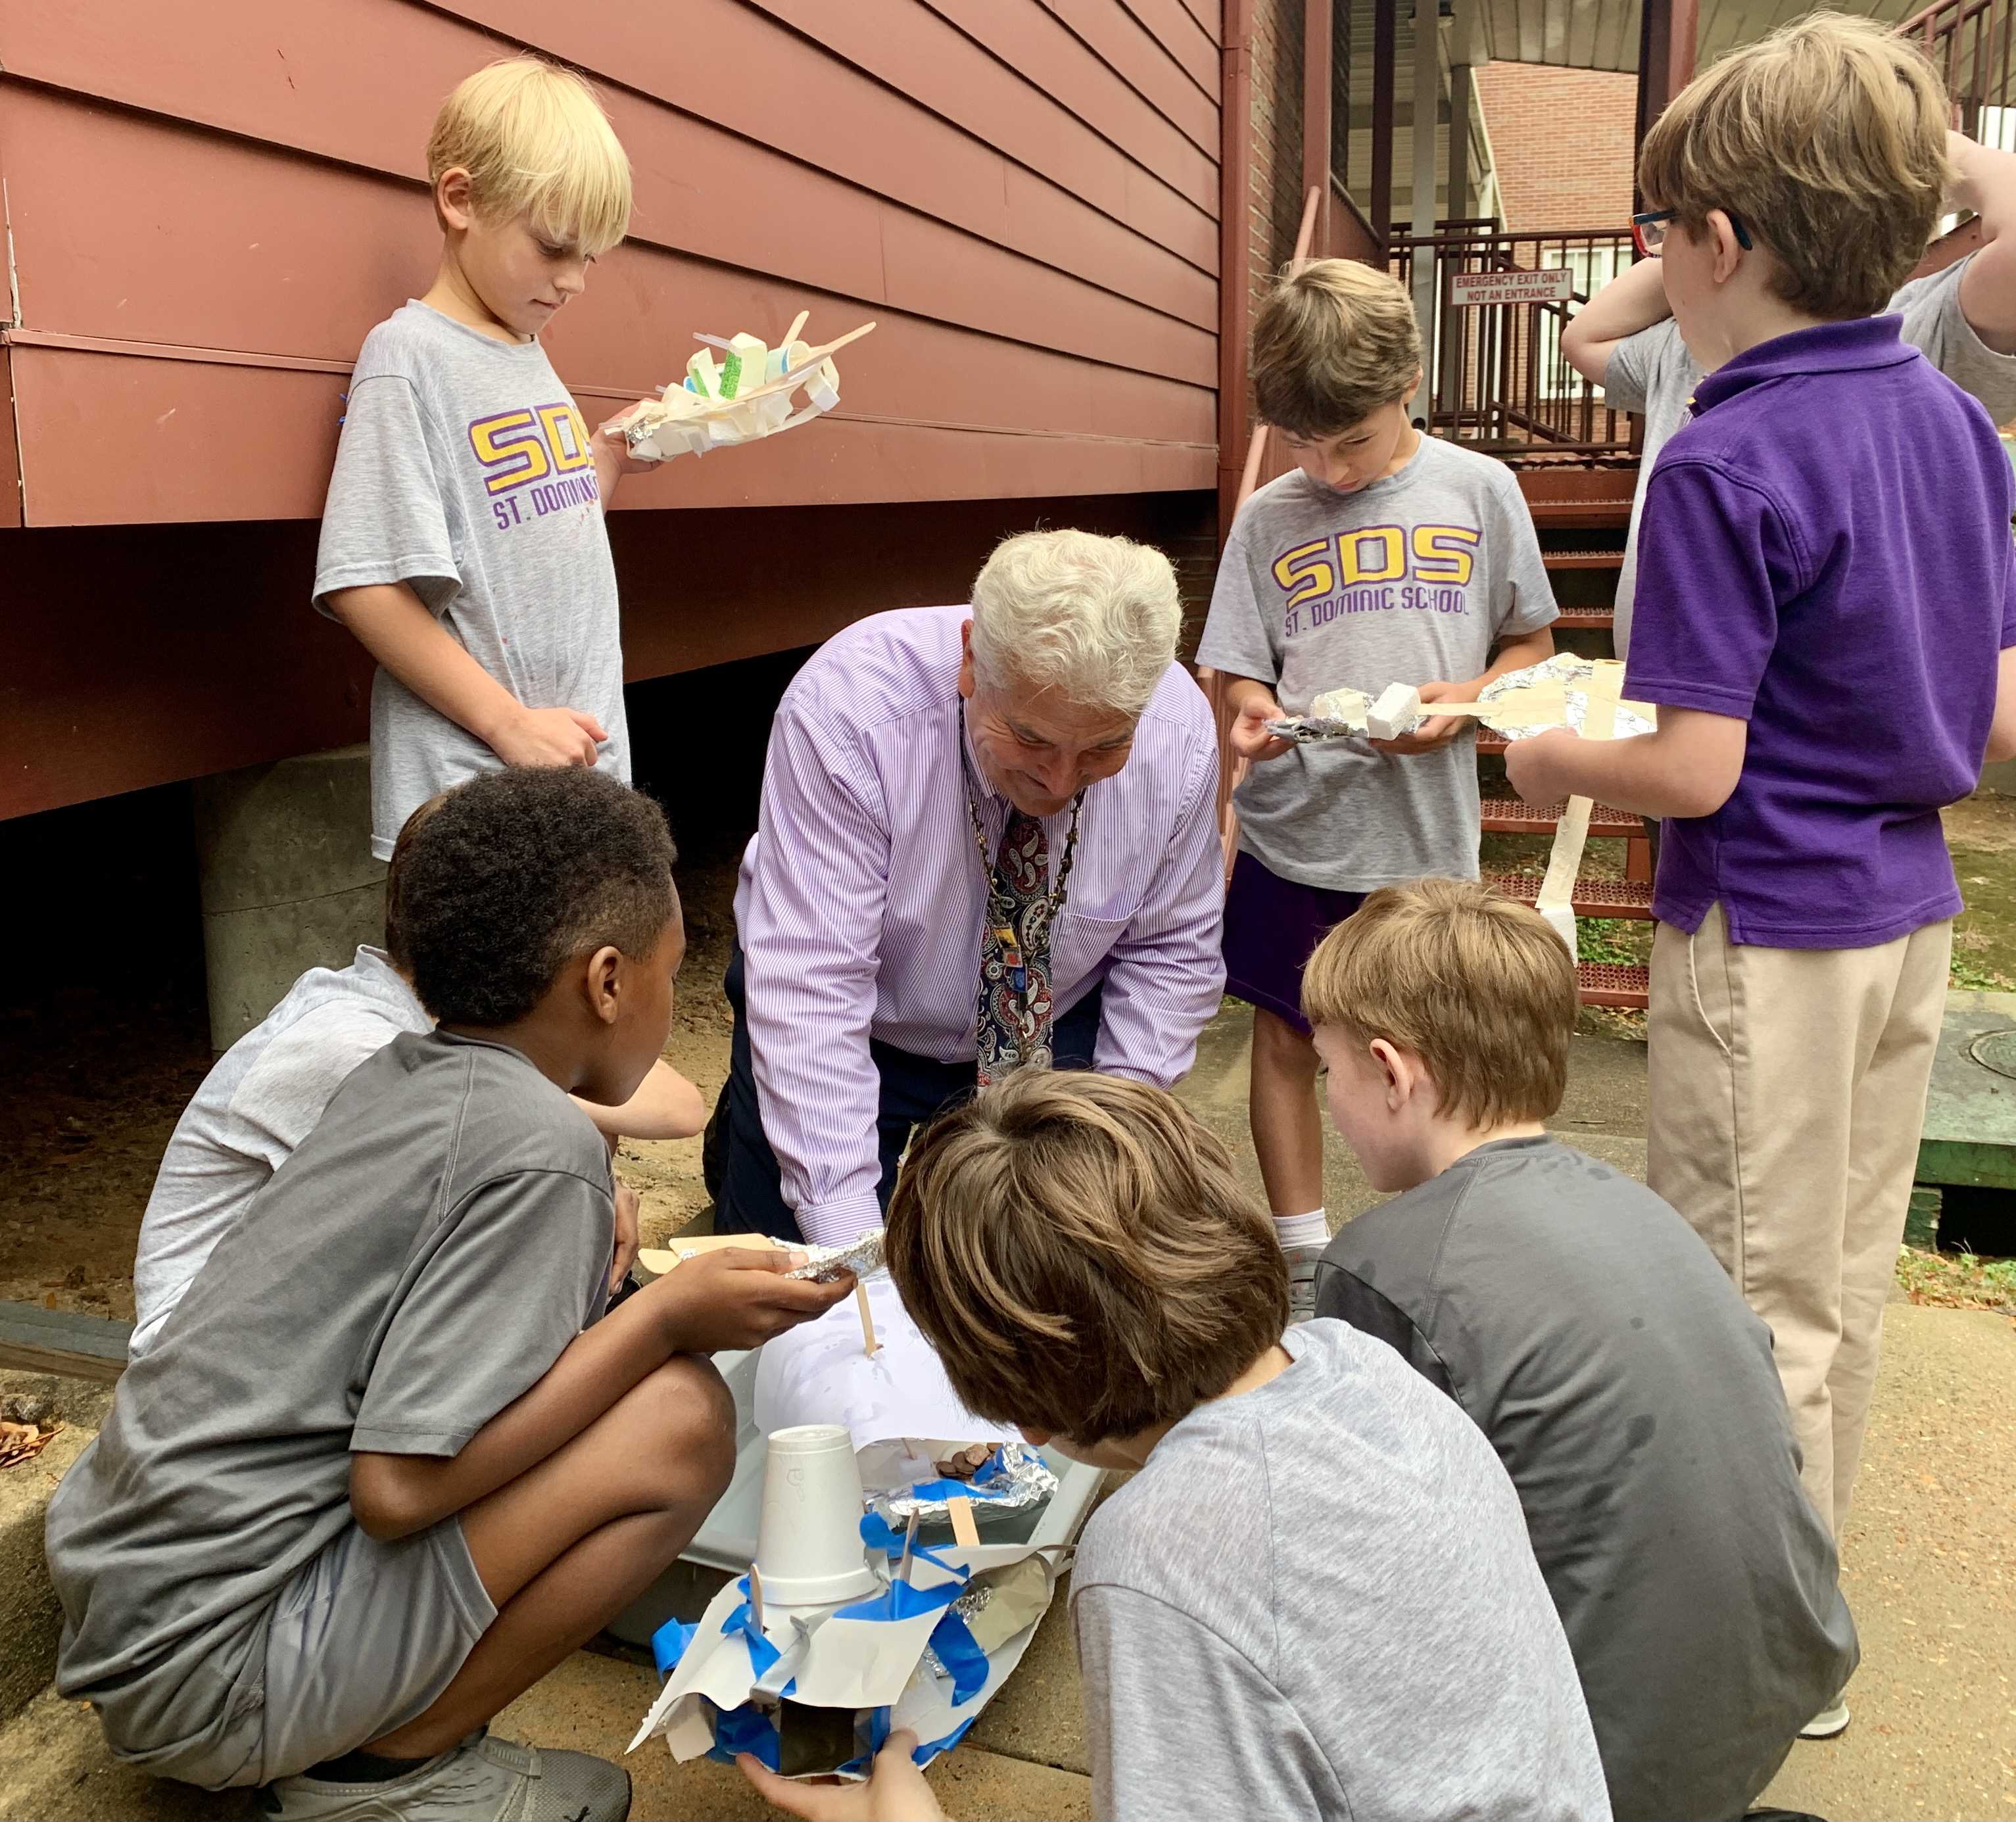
(725, 1545)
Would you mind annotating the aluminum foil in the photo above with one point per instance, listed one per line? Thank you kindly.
(860, 1255)
(1572, 672)
(1023, 1480)
(1575, 674)
(1304, 730)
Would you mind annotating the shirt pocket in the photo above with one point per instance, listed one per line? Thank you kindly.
(1079, 945)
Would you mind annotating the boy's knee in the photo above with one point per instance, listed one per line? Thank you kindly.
(1279, 1044)
(692, 1412)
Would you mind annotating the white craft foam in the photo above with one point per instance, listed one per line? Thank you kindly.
(1395, 712)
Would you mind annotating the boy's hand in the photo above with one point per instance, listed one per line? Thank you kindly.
(895, 1792)
(628, 1203)
(1533, 766)
(739, 1297)
(1250, 738)
(614, 450)
(548, 736)
(1438, 730)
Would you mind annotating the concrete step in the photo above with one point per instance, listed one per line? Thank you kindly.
(31, 1622)
(1513, 816)
(1592, 897)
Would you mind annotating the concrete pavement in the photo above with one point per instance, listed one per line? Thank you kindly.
(1930, 1556)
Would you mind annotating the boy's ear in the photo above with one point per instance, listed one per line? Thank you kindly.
(1405, 1076)
(1728, 249)
(600, 983)
(451, 199)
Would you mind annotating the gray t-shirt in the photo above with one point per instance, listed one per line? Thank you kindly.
(1653, 373)
(1630, 1395)
(464, 470)
(1410, 580)
(260, 1100)
(1317, 1600)
(422, 1259)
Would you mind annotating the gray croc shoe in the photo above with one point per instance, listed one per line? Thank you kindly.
(483, 1780)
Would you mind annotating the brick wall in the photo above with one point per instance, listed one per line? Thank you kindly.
(1276, 191)
(1562, 139)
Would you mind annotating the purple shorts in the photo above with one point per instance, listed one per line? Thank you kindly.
(1271, 928)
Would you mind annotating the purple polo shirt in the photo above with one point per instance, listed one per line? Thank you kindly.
(1827, 556)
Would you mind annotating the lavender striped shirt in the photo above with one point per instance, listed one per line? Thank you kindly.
(861, 894)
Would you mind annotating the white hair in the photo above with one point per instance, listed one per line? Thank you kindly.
(1094, 618)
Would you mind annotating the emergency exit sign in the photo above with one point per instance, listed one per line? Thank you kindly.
(1549, 285)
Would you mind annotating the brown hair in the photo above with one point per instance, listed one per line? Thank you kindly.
(1077, 1250)
(1828, 140)
(1334, 341)
(1478, 988)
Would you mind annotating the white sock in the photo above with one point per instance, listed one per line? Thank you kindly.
(1309, 1230)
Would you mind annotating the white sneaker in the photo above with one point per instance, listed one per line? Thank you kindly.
(1302, 1282)
(1827, 1722)
(483, 1780)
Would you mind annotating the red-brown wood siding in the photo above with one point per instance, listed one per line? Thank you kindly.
(212, 201)
(1023, 195)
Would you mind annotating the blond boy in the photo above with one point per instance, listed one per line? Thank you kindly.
(463, 541)
(1315, 1598)
(1592, 1338)
(1825, 614)
(1386, 557)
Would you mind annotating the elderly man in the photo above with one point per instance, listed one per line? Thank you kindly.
(986, 839)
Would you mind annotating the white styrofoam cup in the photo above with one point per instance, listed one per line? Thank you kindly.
(808, 1546)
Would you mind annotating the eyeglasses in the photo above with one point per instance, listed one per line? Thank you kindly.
(1648, 231)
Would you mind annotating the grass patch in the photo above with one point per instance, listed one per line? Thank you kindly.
(1958, 1280)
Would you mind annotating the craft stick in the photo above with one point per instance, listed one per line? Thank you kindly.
(909, 1543)
(756, 1596)
(963, 1530)
(797, 323)
(869, 1344)
(1555, 901)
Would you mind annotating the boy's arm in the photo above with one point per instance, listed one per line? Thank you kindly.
(665, 1106)
(1634, 299)
(1984, 180)
(391, 623)
(1236, 644)
(2002, 731)
(1253, 704)
(1688, 768)
(731, 1298)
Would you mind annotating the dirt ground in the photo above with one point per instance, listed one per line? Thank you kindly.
(100, 1054)
(97, 1076)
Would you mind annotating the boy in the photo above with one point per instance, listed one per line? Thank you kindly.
(1387, 557)
(1962, 317)
(1315, 1598)
(463, 541)
(1592, 1338)
(1827, 587)
(385, 1468)
(263, 1096)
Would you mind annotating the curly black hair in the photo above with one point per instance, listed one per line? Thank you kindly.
(509, 877)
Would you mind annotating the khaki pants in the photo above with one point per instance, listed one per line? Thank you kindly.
(1787, 1094)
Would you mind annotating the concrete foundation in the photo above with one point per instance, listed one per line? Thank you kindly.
(1999, 778)
(288, 878)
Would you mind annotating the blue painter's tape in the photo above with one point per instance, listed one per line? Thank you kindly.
(899, 1600)
(669, 1643)
(964, 1661)
(743, 1729)
(762, 1654)
(926, 1753)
